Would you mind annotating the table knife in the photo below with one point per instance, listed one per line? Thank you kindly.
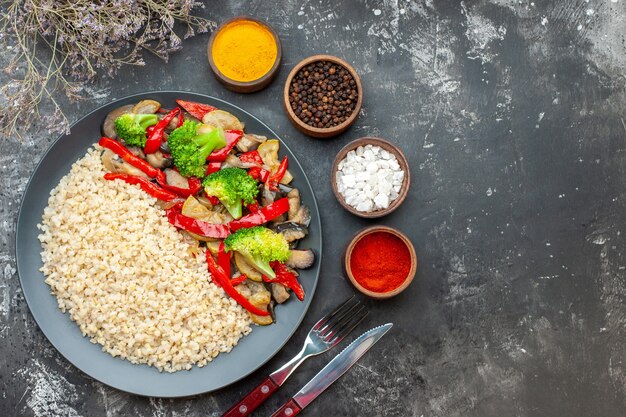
(331, 372)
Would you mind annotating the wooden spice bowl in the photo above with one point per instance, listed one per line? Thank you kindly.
(389, 147)
(348, 257)
(250, 86)
(317, 132)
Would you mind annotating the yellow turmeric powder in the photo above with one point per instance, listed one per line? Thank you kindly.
(244, 50)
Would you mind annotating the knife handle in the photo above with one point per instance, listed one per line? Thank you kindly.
(255, 398)
(290, 409)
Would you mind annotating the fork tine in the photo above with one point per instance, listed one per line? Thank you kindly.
(340, 335)
(321, 322)
(338, 318)
(346, 325)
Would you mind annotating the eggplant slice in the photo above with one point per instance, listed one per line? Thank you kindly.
(301, 259)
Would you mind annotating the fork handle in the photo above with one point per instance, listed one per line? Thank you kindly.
(255, 398)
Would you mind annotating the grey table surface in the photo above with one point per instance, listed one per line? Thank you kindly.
(512, 115)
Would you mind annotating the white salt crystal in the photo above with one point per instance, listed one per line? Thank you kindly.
(369, 178)
(381, 201)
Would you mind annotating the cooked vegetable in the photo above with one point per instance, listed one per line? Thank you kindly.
(260, 297)
(300, 259)
(115, 164)
(190, 150)
(147, 107)
(287, 277)
(223, 119)
(250, 142)
(198, 227)
(292, 231)
(302, 216)
(262, 216)
(146, 185)
(232, 137)
(222, 280)
(294, 202)
(158, 160)
(132, 127)
(128, 156)
(260, 246)
(197, 110)
(279, 292)
(108, 126)
(194, 209)
(232, 186)
(245, 268)
(156, 134)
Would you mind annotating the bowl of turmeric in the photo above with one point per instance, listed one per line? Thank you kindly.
(244, 54)
(380, 262)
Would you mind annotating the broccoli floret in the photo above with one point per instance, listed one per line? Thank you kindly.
(190, 150)
(132, 127)
(232, 186)
(260, 246)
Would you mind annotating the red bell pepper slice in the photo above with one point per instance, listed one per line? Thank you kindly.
(258, 172)
(264, 215)
(238, 280)
(123, 152)
(232, 137)
(199, 227)
(146, 185)
(251, 157)
(156, 137)
(212, 199)
(286, 277)
(220, 276)
(223, 259)
(274, 179)
(213, 167)
(194, 185)
(253, 207)
(197, 110)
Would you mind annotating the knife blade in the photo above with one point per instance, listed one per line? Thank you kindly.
(338, 366)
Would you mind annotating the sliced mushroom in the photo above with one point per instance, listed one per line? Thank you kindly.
(146, 107)
(259, 297)
(113, 163)
(302, 216)
(267, 197)
(173, 178)
(250, 142)
(137, 151)
(268, 151)
(222, 119)
(158, 160)
(292, 231)
(279, 292)
(301, 259)
(294, 203)
(108, 126)
(245, 268)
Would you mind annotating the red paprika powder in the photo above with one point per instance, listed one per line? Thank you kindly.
(380, 262)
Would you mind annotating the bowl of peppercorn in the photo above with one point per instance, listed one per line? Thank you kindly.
(323, 96)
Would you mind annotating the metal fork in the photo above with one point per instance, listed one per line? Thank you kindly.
(326, 333)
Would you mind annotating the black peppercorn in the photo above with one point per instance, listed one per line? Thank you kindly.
(324, 93)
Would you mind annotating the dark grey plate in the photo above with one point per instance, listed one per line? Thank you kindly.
(251, 352)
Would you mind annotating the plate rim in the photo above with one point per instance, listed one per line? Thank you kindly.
(19, 221)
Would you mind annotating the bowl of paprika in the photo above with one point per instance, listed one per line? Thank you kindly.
(244, 54)
(380, 262)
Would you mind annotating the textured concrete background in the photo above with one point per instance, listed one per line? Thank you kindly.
(512, 115)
